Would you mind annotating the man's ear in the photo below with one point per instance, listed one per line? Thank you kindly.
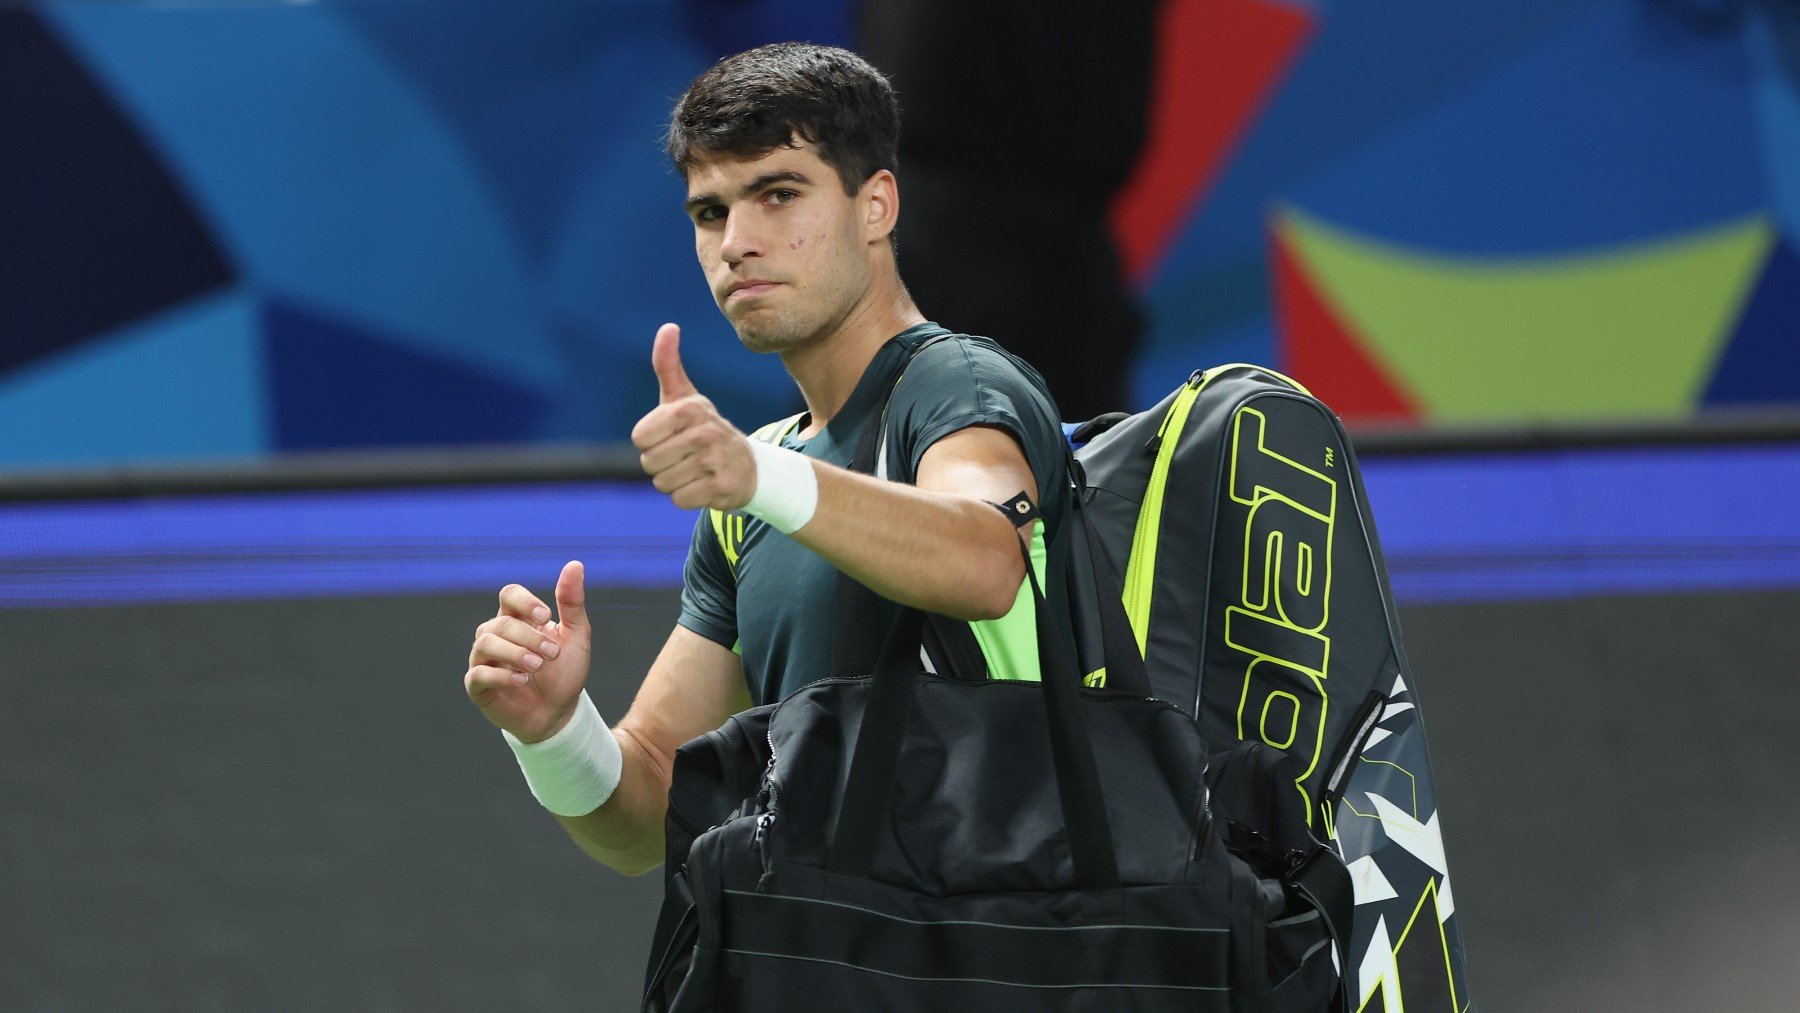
(880, 199)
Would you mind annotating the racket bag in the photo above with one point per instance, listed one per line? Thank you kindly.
(1230, 547)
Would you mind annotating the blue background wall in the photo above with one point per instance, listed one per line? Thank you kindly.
(241, 229)
(252, 228)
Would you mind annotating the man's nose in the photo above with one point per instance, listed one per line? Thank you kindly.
(740, 239)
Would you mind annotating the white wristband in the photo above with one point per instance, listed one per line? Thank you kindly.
(787, 490)
(575, 770)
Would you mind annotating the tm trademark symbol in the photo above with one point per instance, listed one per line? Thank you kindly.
(1330, 455)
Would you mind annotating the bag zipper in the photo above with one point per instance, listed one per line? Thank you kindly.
(772, 785)
(1204, 835)
(773, 788)
(1356, 737)
(1140, 570)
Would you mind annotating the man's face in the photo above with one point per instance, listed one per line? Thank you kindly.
(781, 244)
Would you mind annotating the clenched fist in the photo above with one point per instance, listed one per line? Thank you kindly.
(689, 450)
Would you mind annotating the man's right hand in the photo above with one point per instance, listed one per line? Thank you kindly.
(525, 672)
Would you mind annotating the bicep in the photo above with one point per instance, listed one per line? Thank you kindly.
(983, 461)
(692, 687)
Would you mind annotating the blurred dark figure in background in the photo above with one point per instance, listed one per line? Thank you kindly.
(1023, 118)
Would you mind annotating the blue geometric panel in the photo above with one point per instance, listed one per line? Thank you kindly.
(93, 231)
(1369, 69)
(1628, 125)
(514, 80)
(1222, 294)
(1774, 43)
(339, 385)
(623, 263)
(722, 27)
(186, 383)
(1762, 360)
(331, 178)
(1164, 365)
(472, 191)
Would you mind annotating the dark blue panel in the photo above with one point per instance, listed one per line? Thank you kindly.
(94, 231)
(516, 82)
(1629, 125)
(1762, 362)
(337, 385)
(723, 27)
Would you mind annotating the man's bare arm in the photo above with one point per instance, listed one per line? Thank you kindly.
(940, 546)
(693, 686)
(526, 673)
(936, 545)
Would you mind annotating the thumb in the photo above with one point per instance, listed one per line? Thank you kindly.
(571, 596)
(665, 357)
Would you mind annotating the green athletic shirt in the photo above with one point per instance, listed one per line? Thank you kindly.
(776, 608)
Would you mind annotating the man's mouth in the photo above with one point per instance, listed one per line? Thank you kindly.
(750, 289)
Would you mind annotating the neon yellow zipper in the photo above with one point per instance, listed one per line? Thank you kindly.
(1140, 571)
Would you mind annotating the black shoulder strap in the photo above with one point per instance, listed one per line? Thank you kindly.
(1096, 593)
(854, 646)
(1125, 668)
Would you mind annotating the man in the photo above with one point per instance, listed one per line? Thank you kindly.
(788, 156)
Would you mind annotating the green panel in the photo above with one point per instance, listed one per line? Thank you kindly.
(1009, 643)
(1633, 332)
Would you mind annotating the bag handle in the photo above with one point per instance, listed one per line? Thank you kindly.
(876, 759)
(1095, 588)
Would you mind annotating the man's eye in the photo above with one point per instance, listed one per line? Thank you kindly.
(710, 213)
(781, 196)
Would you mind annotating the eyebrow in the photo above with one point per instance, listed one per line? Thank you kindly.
(764, 181)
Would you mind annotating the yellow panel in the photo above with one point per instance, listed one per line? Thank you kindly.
(1629, 332)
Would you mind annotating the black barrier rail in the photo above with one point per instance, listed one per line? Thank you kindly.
(618, 462)
(374, 469)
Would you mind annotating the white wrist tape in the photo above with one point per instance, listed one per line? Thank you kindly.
(575, 770)
(787, 490)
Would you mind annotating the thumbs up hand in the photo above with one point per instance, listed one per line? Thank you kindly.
(687, 448)
(526, 672)
(665, 357)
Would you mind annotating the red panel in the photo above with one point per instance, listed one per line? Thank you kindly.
(1216, 62)
(1317, 349)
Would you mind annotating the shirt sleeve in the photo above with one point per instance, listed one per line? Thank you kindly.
(958, 383)
(708, 588)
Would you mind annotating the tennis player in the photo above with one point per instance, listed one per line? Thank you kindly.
(792, 194)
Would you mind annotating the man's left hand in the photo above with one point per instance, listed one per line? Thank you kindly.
(688, 449)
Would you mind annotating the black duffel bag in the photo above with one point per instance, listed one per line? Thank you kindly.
(906, 841)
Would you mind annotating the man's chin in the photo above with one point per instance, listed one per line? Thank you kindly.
(765, 339)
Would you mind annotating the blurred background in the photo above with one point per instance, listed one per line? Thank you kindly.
(321, 321)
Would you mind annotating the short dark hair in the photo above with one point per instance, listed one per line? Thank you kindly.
(749, 104)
